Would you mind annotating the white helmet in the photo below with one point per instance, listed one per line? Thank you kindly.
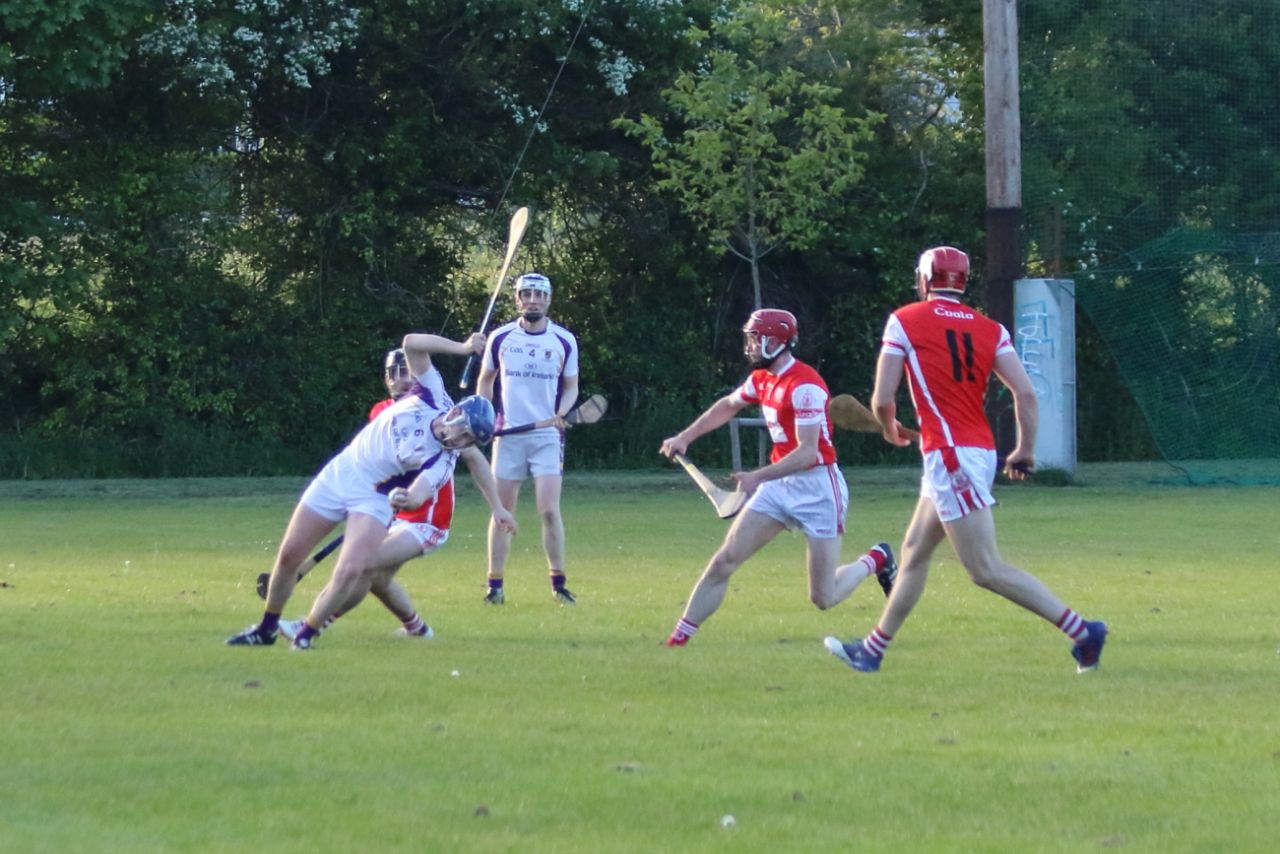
(533, 282)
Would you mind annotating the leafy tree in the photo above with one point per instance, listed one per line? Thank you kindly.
(762, 152)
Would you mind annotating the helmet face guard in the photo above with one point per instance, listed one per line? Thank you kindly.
(397, 364)
(943, 268)
(774, 330)
(538, 284)
(475, 416)
(396, 373)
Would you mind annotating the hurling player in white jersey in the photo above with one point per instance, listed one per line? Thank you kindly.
(413, 533)
(397, 462)
(801, 489)
(530, 368)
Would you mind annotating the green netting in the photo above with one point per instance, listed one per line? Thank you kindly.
(1151, 164)
(1194, 326)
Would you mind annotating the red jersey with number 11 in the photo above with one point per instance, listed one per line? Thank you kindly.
(950, 350)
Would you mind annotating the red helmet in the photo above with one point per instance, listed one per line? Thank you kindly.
(776, 324)
(943, 268)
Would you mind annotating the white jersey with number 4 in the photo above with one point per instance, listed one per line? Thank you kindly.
(529, 368)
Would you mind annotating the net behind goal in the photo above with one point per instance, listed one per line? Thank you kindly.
(1193, 321)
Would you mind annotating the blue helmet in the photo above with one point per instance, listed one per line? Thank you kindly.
(477, 414)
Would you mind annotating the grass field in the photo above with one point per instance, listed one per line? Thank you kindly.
(127, 725)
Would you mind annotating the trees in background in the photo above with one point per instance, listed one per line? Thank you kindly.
(215, 217)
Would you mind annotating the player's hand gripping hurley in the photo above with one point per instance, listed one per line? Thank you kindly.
(588, 411)
(515, 233)
(848, 413)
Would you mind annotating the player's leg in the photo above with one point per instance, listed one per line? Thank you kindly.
(306, 528)
(405, 542)
(352, 575)
(974, 539)
(820, 501)
(500, 540)
(829, 585)
(924, 533)
(750, 532)
(547, 493)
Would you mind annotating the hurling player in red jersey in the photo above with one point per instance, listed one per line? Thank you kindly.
(801, 488)
(948, 352)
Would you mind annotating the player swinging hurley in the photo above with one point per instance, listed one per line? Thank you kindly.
(801, 488)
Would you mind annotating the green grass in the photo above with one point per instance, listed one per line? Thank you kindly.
(126, 725)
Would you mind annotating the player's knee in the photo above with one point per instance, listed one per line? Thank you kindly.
(353, 572)
(291, 556)
(723, 564)
(985, 575)
(823, 599)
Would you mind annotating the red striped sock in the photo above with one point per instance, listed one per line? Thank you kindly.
(682, 632)
(877, 642)
(1072, 625)
(414, 625)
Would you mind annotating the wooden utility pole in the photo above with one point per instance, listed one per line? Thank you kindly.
(1004, 173)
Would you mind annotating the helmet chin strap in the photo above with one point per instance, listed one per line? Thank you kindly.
(766, 361)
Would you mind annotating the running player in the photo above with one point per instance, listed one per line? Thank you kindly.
(802, 488)
(530, 370)
(950, 351)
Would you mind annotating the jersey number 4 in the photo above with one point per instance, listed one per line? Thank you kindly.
(961, 366)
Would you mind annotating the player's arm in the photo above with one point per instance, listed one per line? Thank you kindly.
(884, 403)
(488, 373)
(568, 397)
(801, 457)
(420, 346)
(425, 485)
(717, 415)
(1026, 412)
(482, 474)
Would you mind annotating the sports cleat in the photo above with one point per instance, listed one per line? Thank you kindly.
(252, 636)
(495, 596)
(427, 633)
(676, 639)
(1088, 653)
(853, 654)
(889, 572)
(264, 581)
(290, 628)
(300, 644)
(563, 596)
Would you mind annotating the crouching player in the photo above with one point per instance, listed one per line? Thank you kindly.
(400, 460)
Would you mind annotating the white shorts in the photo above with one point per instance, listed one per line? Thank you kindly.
(429, 537)
(813, 501)
(338, 491)
(538, 453)
(958, 489)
